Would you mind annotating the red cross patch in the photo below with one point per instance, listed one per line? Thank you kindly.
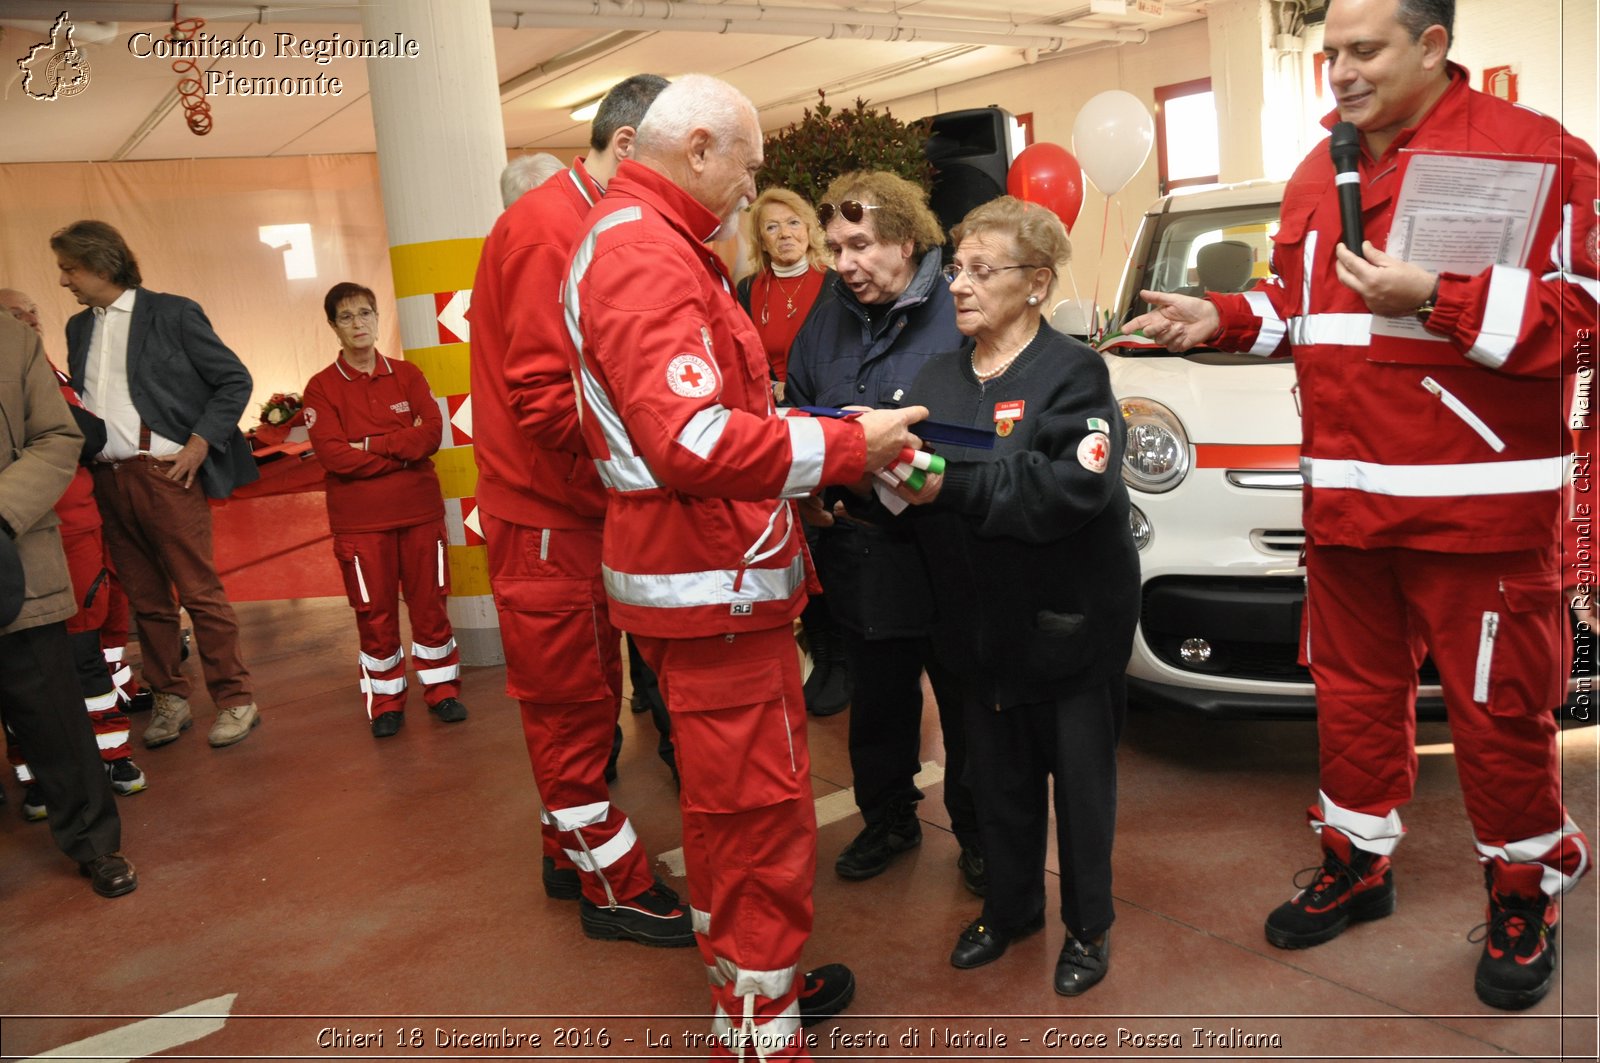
(691, 376)
(1094, 452)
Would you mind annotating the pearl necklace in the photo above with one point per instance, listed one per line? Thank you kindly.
(986, 375)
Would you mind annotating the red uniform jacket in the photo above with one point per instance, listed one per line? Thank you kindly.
(674, 406)
(390, 484)
(1455, 446)
(532, 466)
(77, 509)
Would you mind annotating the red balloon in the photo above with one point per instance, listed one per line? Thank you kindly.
(1048, 175)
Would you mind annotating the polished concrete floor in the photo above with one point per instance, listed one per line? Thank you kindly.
(323, 895)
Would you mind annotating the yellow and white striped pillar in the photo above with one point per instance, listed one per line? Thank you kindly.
(441, 147)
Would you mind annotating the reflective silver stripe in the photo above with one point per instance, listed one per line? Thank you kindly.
(769, 984)
(1374, 834)
(111, 741)
(432, 653)
(699, 922)
(807, 449)
(544, 544)
(703, 430)
(1307, 263)
(1463, 411)
(440, 543)
(361, 583)
(431, 676)
(607, 854)
(774, 1033)
(1480, 677)
(1345, 330)
(624, 470)
(1502, 316)
(1436, 481)
(375, 664)
(382, 686)
(1534, 850)
(120, 678)
(577, 816)
(24, 773)
(687, 590)
(1272, 329)
(113, 654)
(101, 702)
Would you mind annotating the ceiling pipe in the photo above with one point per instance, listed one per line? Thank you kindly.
(646, 14)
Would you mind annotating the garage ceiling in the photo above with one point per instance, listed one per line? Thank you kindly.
(550, 57)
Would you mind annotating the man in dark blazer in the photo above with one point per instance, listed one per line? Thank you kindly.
(171, 394)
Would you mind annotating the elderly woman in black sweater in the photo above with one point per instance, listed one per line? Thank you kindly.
(1036, 579)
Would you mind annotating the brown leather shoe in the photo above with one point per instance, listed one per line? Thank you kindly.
(110, 875)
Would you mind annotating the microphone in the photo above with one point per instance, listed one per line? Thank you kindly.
(1345, 147)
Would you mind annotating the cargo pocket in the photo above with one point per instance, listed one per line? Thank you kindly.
(1520, 647)
(355, 580)
(551, 624)
(732, 726)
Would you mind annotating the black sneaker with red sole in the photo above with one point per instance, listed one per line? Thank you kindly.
(655, 917)
(1352, 886)
(826, 992)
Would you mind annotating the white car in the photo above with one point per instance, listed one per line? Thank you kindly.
(1212, 468)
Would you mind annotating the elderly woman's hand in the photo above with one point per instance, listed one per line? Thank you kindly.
(930, 490)
(813, 512)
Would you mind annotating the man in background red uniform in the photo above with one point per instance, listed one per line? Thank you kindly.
(1434, 467)
(100, 679)
(374, 424)
(543, 509)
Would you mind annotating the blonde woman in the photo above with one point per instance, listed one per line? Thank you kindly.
(791, 268)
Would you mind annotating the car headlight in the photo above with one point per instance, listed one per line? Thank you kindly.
(1139, 524)
(1157, 455)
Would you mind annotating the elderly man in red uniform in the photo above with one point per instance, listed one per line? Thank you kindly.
(1434, 470)
(374, 425)
(704, 559)
(543, 509)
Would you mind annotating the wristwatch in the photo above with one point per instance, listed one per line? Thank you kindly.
(1426, 309)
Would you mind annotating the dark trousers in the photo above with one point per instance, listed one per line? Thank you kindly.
(43, 706)
(1013, 753)
(886, 728)
(159, 535)
(647, 688)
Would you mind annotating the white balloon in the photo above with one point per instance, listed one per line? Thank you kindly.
(1111, 138)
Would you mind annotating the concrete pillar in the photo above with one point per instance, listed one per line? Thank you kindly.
(1258, 79)
(441, 146)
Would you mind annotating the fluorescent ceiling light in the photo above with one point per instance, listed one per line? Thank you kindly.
(586, 111)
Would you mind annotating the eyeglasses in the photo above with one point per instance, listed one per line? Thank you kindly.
(978, 272)
(852, 211)
(366, 317)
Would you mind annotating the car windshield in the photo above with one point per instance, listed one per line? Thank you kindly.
(1194, 252)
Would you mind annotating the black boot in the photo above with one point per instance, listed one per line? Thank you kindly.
(828, 687)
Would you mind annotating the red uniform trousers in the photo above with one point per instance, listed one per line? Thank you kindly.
(159, 533)
(1496, 627)
(564, 667)
(749, 825)
(376, 565)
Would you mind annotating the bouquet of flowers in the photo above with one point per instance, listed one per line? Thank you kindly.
(281, 408)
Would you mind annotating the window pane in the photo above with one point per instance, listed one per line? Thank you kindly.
(1191, 123)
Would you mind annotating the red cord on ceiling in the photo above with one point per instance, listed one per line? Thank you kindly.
(196, 108)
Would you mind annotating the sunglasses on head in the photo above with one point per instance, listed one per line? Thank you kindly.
(850, 209)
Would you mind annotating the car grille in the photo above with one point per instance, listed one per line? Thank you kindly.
(1278, 540)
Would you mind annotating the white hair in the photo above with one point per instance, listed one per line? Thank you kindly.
(525, 173)
(694, 101)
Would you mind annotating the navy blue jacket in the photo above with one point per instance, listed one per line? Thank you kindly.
(847, 354)
(184, 381)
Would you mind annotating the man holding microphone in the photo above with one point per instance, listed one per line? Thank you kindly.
(1434, 470)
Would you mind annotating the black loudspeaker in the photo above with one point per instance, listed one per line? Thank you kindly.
(970, 152)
